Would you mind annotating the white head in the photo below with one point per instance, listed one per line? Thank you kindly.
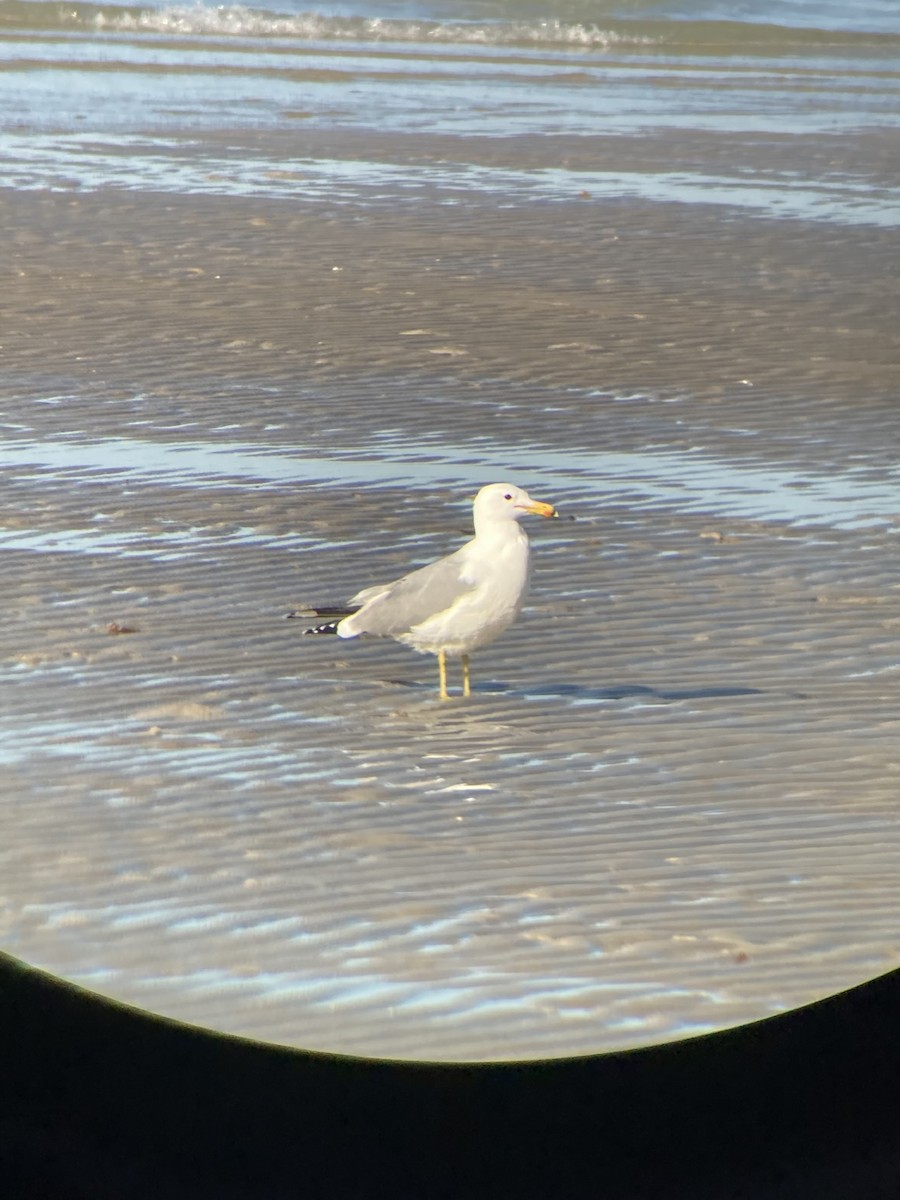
(500, 502)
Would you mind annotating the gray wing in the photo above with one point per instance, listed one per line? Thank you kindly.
(394, 608)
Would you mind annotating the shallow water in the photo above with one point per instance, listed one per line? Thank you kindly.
(687, 480)
(669, 806)
(281, 296)
(72, 162)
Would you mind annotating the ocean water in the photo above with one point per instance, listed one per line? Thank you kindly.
(127, 96)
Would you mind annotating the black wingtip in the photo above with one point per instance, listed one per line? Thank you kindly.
(333, 616)
(325, 627)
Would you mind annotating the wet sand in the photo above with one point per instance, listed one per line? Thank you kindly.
(614, 295)
(670, 805)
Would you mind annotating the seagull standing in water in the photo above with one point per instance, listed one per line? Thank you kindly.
(457, 604)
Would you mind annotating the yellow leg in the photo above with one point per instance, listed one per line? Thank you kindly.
(467, 686)
(442, 671)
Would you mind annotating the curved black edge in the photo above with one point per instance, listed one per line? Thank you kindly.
(100, 1101)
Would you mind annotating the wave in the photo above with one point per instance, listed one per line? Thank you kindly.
(198, 20)
(240, 21)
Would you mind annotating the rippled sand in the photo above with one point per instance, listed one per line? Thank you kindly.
(671, 803)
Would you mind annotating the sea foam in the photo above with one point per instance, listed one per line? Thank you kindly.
(240, 21)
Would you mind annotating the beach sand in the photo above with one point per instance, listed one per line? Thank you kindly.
(671, 804)
(671, 299)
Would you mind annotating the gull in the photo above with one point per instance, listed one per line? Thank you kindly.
(454, 605)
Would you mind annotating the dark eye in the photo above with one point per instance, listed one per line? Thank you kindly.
(508, 496)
